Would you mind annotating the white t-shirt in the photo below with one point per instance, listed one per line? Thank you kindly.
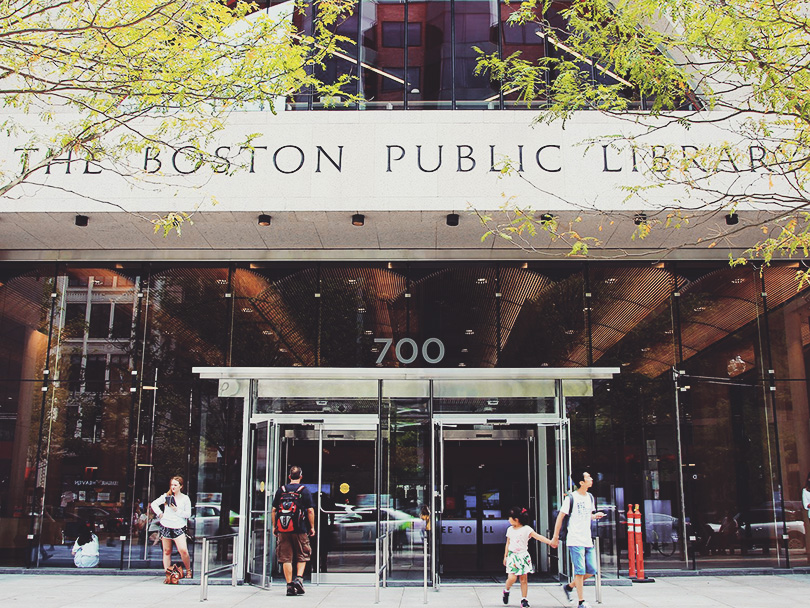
(90, 549)
(579, 522)
(519, 538)
(806, 498)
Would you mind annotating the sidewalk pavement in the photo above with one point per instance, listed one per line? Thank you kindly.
(76, 591)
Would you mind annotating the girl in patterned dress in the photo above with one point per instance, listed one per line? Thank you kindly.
(516, 556)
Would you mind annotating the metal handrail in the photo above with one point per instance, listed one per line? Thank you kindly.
(206, 547)
(380, 570)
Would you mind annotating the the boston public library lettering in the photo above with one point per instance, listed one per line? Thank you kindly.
(338, 309)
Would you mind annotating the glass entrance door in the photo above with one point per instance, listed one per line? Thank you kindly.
(339, 470)
(339, 459)
(483, 471)
(259, 536)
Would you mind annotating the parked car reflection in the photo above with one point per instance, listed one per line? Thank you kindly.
(757, 528)
(205, 518)
(356, 528)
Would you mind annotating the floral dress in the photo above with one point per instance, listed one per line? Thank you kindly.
(518, 560)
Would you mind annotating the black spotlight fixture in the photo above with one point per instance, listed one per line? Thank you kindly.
(358, 219)
(639, 219)
(452, 219)
(732, 218)
(81, 220)
(264, 220)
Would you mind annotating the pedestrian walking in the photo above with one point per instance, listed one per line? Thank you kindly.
(172, 510)
(516, 555)
(293, 519)
(580, 507)
(806, 495)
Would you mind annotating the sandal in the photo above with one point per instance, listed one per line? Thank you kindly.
(188, 573)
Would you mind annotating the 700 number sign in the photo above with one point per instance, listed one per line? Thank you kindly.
(412, 350)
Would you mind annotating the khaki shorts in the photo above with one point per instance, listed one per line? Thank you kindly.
(291, 545)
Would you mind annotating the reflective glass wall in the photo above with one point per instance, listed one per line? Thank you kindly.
(706, 426)
(422, 54)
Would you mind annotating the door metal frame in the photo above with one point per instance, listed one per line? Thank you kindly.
(244, 382)
(274, 422)
(539, 422)
(270, 444)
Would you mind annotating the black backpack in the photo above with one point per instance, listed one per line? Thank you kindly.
(290, 515)
(564, 527)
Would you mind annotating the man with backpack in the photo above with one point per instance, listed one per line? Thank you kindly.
(293, 518)
(580, 508)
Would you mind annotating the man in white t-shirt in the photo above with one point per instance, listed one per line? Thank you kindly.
(580, 507)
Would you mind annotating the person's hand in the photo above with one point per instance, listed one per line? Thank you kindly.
(504, 561)
(598, 515)
(555, 542)
(312, 531)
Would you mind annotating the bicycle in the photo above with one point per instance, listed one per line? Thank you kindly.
(665, 546)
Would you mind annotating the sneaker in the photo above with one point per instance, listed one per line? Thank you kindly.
(505, 597)
(568, 592)
(524, 603)
(583, 605)
(298, 586)
(290, 589)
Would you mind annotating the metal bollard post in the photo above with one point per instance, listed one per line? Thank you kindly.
(598, 570)
(204, 575)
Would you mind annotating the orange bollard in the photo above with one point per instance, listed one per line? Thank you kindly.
(640, 578)
(631, 541)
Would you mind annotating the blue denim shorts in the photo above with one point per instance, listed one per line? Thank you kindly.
(583, 559)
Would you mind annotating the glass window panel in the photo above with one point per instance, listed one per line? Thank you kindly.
(95, 373)
(99, 320)
(393, 34)
(476, 25)
(412, 81)
(728, 436)
(218, 471)
(789, 339)
(122, 321)
(543, 317)
(85, 444)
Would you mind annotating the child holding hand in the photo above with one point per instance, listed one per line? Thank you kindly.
(516, 556)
